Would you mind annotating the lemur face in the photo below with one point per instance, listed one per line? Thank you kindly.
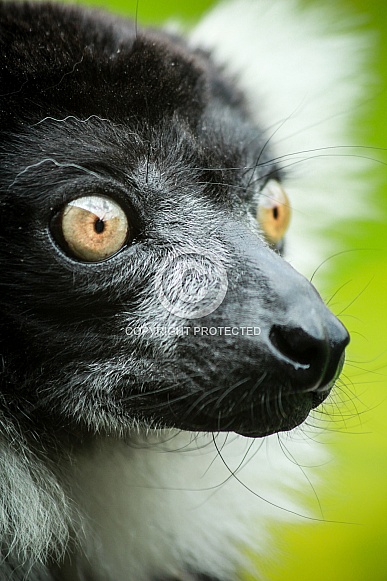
(142, 226)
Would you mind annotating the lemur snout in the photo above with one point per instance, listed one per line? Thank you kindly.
(266, 382)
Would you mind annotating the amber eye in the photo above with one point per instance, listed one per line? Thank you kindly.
(273, 213)
(94, 228)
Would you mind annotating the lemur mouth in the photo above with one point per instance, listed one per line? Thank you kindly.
(256, 416)
(281, 415)
(257, 420)
(288, 413)
(255, 413)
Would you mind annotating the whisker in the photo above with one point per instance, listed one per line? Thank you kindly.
(292, 459)
(356, 297)
(268, 140)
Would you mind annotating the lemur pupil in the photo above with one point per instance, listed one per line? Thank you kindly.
(99, 226)
(275, 213)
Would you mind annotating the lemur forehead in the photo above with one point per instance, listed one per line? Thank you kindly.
(168, 77)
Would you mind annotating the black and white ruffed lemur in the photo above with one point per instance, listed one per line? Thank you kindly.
(156, 344)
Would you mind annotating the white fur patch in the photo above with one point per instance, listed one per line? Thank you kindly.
(169, 500)
(302, 71)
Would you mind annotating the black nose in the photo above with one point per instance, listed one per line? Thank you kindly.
(311, 354)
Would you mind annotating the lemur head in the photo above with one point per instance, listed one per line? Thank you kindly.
(142, 227)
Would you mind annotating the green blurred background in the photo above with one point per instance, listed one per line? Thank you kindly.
(355, 487)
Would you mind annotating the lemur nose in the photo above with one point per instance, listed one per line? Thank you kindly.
(312, 356)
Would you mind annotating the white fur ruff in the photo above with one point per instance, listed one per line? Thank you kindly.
(170, 499)
(303, 73)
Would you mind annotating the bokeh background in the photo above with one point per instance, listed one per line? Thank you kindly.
(354, 492)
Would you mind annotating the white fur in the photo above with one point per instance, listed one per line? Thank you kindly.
(302, 71)
(34, 514)
(169, 499)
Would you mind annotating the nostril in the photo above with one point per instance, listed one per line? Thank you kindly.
(310, 362)
(302, 349)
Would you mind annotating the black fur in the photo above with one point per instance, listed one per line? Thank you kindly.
(88, 106)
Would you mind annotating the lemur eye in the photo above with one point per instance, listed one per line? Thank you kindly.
(273, 213)
(94, 228)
